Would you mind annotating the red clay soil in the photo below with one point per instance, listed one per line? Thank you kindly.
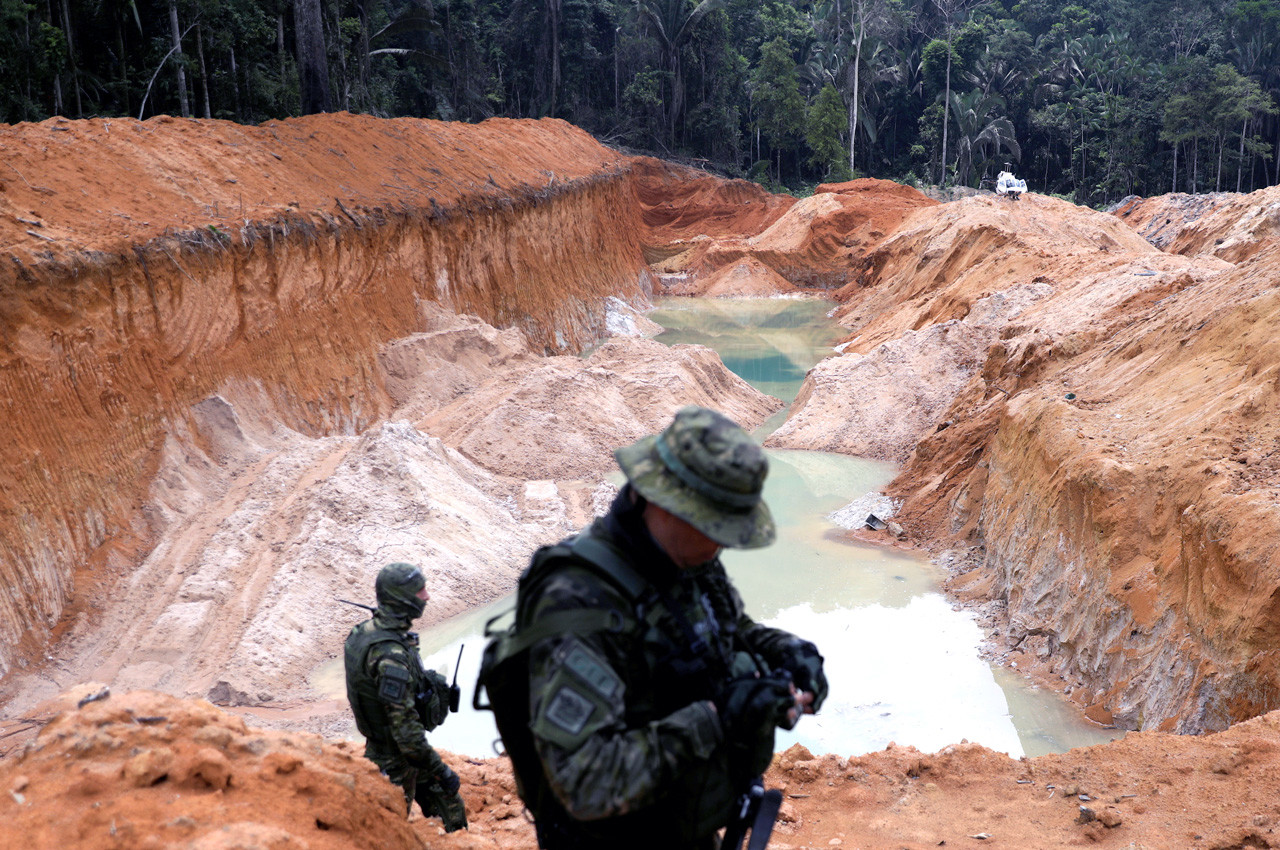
(147, 266)
(146, 770)
(679, 203)
(822, 241)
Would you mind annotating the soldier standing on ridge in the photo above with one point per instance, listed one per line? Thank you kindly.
(636, 698)
(396, 702)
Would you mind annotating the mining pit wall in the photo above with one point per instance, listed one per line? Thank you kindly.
(151, 264)
(1114, 458)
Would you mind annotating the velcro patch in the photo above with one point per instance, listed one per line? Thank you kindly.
(569, 710)
(393, 684)
(592, 671)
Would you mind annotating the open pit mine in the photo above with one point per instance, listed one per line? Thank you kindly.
(241, 367)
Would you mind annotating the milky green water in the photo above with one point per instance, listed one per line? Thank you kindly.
(903, 664)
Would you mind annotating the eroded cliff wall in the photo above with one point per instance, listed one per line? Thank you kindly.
(151, 263)
(1106, 438)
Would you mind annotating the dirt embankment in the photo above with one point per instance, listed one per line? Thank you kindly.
(145, 770)
(1097, 416)
(153, 264)
(728, 238)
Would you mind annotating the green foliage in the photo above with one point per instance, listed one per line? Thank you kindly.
(775, 96)
(824, 134)
(1101, 97)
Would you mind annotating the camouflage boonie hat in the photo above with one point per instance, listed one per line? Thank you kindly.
(397, 588)
(704, 469)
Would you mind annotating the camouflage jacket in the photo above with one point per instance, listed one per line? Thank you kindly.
(623, 720)
(394, 700)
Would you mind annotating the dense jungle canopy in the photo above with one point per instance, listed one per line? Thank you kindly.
(1093, 99)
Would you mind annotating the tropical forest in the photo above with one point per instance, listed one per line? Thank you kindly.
(1092, 100)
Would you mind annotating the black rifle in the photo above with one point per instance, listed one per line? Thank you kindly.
(756, 810)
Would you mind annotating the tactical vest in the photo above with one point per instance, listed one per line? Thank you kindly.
(504, 673)
(370, 711)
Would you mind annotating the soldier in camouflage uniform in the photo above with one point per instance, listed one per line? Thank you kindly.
(396, 702)
(648, 730)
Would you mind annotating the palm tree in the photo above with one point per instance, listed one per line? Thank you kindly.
(982, 133)
(674, 22)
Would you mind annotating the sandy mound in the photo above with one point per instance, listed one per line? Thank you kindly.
(1129, 372)
(1239, 228)
(564, 417)
(880, 404)
(747, 277)
(261, 530)
(823, 239)
(946, 257)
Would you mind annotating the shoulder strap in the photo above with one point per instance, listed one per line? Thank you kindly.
(610, 564)
(604, 561)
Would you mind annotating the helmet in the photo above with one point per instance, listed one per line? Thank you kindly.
(397, 588)
(704, 469)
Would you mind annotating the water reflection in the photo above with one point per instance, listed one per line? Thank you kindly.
(769, 342)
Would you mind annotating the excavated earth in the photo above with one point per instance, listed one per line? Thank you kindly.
(242, 367)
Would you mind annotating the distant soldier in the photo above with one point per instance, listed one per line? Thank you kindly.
(396, 702)
(636, 698)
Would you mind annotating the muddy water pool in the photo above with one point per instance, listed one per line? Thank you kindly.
(904, 665)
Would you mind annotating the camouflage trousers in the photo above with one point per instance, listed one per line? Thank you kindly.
(435, 801)
(432, 798)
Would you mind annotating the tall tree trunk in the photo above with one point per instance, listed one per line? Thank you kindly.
(1244, 127)
(123, 81)
(71, 56)
(1174, 187)
(280, 52)
(235, 85)
(859, 31)
(363, 100)
(178, 62)
(946, 110)
(1195, 165)
(204, 74)
(313, 65)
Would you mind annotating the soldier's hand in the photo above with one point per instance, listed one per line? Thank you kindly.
(751, 705)
(805, 665)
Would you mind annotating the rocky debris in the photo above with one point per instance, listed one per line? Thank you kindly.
(144, 769)
(1161, 220)
(747, 277)
(855, 514)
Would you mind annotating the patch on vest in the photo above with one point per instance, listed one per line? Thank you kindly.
(393, 684)
(569, 710)
(587, 668)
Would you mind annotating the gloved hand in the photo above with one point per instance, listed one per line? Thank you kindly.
(750, 708)
(751, 704)
(805, 665)
(449, 780)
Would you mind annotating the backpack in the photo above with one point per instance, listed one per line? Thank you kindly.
(504, 668)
